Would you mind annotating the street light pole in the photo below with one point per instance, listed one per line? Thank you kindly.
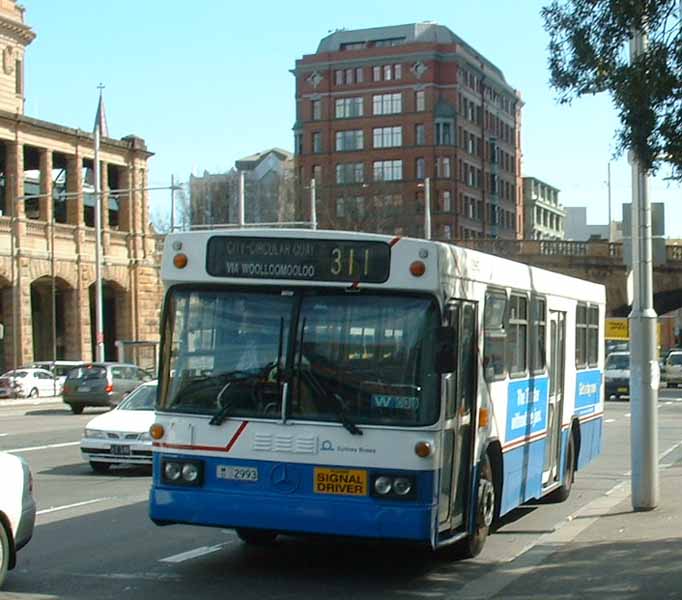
(99, 321)
(427, 208)
(313, 204)
(644, 371)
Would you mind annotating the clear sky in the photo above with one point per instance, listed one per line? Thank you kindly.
(206, 82)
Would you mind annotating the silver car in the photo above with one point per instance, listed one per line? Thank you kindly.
(17, 510)
(672, 369)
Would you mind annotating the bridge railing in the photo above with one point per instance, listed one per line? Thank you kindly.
(594, 248)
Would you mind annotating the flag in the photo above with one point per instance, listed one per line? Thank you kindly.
(101, 118)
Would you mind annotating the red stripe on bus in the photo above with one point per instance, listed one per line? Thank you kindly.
(524, 440)
(394, 241)
(189, 447)
(355, 285)
(236, 435)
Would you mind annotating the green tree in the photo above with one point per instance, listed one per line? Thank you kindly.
(588, 54)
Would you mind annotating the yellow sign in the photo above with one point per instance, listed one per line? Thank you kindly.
(617, 329)
(345, 482)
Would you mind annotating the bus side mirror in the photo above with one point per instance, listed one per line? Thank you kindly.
(446, 350)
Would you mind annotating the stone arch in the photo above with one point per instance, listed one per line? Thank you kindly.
(52, 341)
(65, 271)
(115, 313)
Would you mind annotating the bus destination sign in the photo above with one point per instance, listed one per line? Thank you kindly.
(300, 259)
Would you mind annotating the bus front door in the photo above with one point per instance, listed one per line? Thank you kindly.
(460, 398)
(557, 360)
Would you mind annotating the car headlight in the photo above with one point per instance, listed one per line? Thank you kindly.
(94, 433)
(145, 437)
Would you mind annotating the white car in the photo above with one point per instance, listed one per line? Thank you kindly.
(27, 383)
(617, 376)
(121, 436)
(17, 510)
(59, 369)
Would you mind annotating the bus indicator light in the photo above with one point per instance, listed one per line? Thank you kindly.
(156, 431)
(180, 261)
(483, 417)
(423, 449)
(418, 268)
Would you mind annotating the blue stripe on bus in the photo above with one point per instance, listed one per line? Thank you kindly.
(283, 499)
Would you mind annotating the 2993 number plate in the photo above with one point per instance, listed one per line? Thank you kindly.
(237, 473)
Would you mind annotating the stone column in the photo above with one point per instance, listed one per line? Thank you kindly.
(74, 185)
(77, 320)
(46, 203)
(124, 200)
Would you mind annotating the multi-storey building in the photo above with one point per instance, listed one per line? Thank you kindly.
(544, 217)
(380, 110)
(269, 191)
(47, 238)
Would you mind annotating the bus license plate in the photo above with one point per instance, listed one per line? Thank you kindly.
(237, 473)
(344, 482)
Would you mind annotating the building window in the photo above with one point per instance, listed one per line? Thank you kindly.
(420, 100)
(388, 170)
(388, 72)
(298, 143)
(388, 137)
(397, 71)
(376, 73)
(359, 75)
(317, 173)
(349, 140)
(444, 133)
(348, 107)
(447, 232)
(19, 78)
(420, 169)
(316, 106)
(350, 173)
(387, 104)
(317, 141)
(443, 168)
(445, 201)
(351, 207)
(517, 336)
(339, 77)
(420, 135)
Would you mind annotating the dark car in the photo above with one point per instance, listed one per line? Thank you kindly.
(101, 384)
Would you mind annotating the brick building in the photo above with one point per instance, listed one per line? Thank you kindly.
(378, 110)
(53, 234)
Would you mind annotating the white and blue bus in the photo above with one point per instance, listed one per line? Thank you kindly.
(322, 382)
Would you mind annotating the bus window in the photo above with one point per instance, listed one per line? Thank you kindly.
(581, 336)
(495, 334)
(517, 334)
(539, 333)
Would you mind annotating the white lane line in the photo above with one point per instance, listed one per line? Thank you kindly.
(191, 554)
(52, 509)
(4, 434)
(627, 415)
(47, 447)
(610, 420)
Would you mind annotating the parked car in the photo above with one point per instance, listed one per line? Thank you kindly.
(17, 510)
(121, 436)
(672, 368)
(617, 375)
(27, 383)
(101, 384)
(59, 370)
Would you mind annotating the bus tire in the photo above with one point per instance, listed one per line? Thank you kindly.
(562, 493)
(471, 546)
(256, 537)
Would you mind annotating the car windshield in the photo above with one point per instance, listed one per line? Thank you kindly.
(363, 357)
(675, 359)
(88, 372)
(142, 398)
(618, 361)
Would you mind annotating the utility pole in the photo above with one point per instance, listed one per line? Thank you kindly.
(313, 204)
(608, 184)
(172, 215)
(240, 209)
(427, 208)
(644, 372)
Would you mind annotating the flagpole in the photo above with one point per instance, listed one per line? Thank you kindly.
(99, 334)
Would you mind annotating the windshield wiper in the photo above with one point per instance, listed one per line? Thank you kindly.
(341, 409)
(234, 377)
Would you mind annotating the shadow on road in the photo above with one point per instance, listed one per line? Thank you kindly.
(63, 412)
(83, 470)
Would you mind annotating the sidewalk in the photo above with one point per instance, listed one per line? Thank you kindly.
(30, 401)
(620, 553)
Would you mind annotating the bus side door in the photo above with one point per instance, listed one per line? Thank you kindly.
(460, 397)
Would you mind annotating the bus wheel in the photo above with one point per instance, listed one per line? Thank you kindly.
(256, 537)
(562, 493)
(473, 544)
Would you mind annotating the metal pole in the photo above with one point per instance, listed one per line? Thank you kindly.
(240, 208)
(644, 375)
(172, 215)
(15, 306)
(313, 204)
(427, 208)
(99, 335)
(608, 183)
(54, 300)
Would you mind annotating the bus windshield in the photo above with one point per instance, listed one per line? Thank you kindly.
(366, 358)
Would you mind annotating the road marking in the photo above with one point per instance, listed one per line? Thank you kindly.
(191, 554)
(47, 447)
(563, 533)
(627, 415)
(610, 420)
(75, 505)
(4, 434)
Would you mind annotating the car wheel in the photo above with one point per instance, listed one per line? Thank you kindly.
(76, 409)
(4, 553)
(99, 467)
(34, 393)
(562, 493)
(256, 537)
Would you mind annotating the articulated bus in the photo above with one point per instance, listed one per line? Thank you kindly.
(348, 384)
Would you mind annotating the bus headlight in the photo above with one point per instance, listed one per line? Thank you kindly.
(172, 471)
(190, 472)
(182, 472)
(383, 485)
(402, 486)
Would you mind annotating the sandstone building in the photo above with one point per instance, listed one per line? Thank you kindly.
(54, 234)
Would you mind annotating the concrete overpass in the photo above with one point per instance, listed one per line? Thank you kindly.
(598, 261)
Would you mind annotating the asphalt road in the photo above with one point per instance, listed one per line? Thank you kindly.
(93, 538)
